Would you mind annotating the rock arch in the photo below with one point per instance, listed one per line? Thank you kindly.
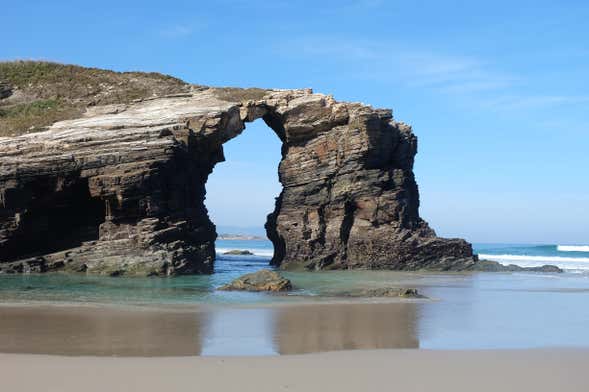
(349, 197)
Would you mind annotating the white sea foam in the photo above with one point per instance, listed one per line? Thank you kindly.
(567, 263)
(256, 252)
(573, 248)
(544, 259)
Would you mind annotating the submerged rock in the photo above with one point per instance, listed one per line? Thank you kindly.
(391, 292)
(410, 293)
(239, 252)
(544, 268)
(263, 280)
(494, 266)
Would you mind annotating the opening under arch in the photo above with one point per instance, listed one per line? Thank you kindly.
(242, 190)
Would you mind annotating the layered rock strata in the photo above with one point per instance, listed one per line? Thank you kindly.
(122, 190)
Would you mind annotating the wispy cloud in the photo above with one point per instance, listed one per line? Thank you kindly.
(478, 81)
(452, 74)
(535, 101)
(395, 63)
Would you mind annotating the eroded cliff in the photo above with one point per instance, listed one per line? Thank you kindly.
(121, 190)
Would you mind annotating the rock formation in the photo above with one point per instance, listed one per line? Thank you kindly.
(5, 90)
(391, 292)
(238, 252)
(494, 266)
(121, 190)
(262, 280)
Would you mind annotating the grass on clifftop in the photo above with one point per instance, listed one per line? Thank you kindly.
(234, 94)
(45, 92)
(19, 118)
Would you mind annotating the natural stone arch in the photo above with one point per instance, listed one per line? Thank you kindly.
(349, 197)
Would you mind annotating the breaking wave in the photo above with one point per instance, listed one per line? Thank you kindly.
(573, 248)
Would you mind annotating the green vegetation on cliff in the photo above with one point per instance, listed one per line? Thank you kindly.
(239, 94)
(35, 94)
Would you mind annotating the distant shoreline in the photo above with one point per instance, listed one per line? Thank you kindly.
(240, 237)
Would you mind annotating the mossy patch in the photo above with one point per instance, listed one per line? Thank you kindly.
(34, 116)
(234, 94)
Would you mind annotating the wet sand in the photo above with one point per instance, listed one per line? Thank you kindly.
(99, 331)
(200, 330)
(382, 370)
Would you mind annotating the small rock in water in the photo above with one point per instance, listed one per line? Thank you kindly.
(263, 280)
(545, 268)
(239, 252)
(390, 292)
(410, 293)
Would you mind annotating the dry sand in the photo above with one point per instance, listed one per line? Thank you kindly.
(554, 370)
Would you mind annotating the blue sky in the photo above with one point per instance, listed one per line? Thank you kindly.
(496, 92)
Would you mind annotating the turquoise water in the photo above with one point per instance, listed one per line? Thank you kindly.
(134, 290)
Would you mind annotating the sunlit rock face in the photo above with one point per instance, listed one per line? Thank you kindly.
(121, 190)
(350, 199)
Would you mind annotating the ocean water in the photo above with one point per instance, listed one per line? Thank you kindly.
(466, 310)
(261, 248)
(572, 258)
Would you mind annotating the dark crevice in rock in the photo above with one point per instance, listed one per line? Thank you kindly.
(319, 241)
(273, 120)
(54, 220)
(347, 223)
(272, 234)
(5, 90)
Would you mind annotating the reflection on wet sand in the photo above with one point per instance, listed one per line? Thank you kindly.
(98, 331)
(110, 331)
(239, 331)
(329, 327)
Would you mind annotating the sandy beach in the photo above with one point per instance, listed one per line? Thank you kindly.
(404, 370)
(306, 346)
(480, 333)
